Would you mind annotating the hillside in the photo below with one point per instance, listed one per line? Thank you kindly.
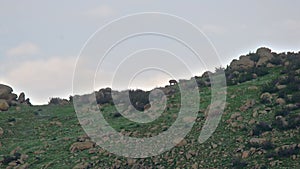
(259, 128)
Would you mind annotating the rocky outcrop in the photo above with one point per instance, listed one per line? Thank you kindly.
(8, 98)
(265, 56)
(243, 63)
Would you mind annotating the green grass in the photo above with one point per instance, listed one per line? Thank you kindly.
(33, 132)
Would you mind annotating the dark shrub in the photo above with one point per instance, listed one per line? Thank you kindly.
(268, 145)
(55, 100)
(260, 71)
(282, 94)
(275, 61)
(270, 87)
(117, 114)
(291, 121)
(260, 128)
(288, 151)
(245, 77)
(254, 57)
(139, 99)
(103, 96)
(238, 163)
(283, 112)
(200, 83)
(296, 97)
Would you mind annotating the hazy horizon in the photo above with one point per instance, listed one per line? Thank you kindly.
(40, 41)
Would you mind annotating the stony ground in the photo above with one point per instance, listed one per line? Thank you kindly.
(51, 136)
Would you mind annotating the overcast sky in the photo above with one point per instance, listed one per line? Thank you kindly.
(40, 40)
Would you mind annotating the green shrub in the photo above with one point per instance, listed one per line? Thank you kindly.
(276, 61)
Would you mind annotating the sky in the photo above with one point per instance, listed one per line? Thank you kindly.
(41, 41)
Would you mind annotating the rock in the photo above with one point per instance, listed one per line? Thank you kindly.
(280, 87)
(147, 106)
(252, 88)
(270, 65)
(179, 143)
(82, 166)
(235, 116)
(27, 102)
(21, 98)
(254, 76)
(10, 97)
(247, 105)
(4, 90)
(130, 161)
(1, 132)
(189, 119)
(13, 164)
(3, 105)
(265, 56)
(291, 106)
(252, 121)
(80, 146)
(243, 63)
(214, 145)
(240, 118)
(245, 154)
(266, 97)
(24, 157)
(24, 166)
(280, 101)
(255, 114)
(206, 74)
(257, 141)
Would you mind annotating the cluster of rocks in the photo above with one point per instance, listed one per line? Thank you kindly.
(8, 98)
(264, 56)
(15, 160)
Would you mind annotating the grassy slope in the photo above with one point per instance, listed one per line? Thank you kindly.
(48, 144)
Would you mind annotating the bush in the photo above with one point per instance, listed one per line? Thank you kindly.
(139, 99)
(283, 112)
(291, 121)
(288, 152)
(261, 71)
(245, 77)
(54, 100)
(296, 97)
(275, 61)
(238, 163)
(254, 57)
(268, 145)
(270, 87)
(260, 128)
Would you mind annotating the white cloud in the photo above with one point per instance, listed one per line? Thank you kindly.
(292, 24)
(101, 11)
(27, 48)
(209, 28)
(41, 79)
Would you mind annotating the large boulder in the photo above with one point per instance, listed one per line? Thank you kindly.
(266, 98)
(265, 55)
(4, 106)
(243, 63)
(5, 90)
